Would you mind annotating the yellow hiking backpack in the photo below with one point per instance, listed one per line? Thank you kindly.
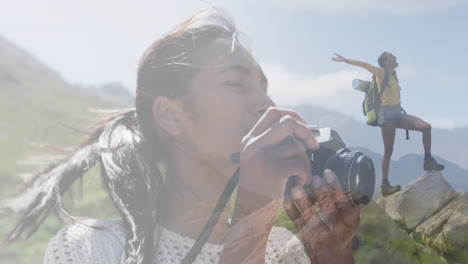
(372, 98)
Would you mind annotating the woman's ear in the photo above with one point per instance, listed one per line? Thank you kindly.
(169, 115)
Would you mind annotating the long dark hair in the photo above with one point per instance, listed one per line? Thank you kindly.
(128, 145)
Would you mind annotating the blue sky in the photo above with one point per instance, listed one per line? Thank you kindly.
(95, 42)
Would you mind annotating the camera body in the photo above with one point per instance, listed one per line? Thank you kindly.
(354, 170)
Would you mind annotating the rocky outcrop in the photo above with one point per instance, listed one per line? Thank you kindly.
(418, 200)
(447, 230)
(380, 240)
(434, 214)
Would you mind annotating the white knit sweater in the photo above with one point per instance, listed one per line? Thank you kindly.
(79, 243)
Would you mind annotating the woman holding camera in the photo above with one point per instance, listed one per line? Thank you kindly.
(201, 99)
(391, 116)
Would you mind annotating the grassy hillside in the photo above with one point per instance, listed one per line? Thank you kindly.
(380, 240)
(34, 102)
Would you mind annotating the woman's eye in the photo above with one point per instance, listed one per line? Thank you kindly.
(237, 85)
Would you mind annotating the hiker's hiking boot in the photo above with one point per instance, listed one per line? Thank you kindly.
(388, 189)
(431, 164)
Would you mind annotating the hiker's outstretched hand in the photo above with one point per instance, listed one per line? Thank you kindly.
(339, 58)
(326, 221)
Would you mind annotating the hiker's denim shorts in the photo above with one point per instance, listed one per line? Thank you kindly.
(389, 114)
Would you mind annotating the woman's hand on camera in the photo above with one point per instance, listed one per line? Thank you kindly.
(267, 160)
(325, 219)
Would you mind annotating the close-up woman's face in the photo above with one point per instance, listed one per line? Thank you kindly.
(224, 100)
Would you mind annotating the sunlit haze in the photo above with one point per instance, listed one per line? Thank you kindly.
(96, 42)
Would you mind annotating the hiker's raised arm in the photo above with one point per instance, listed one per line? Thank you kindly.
(372, 69)
(339, 58)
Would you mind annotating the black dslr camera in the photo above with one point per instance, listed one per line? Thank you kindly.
(354, 170)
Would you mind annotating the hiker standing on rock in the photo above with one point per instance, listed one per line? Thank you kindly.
(391, 116)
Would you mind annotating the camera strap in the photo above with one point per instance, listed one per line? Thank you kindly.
(219, 208)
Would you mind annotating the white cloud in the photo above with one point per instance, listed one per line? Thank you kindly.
(364, 7)
(332, 91)
(449, 79)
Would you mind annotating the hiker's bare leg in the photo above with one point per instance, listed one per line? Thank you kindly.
(415, 123)
(388, 136)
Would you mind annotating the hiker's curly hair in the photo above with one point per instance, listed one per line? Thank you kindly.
(128, 146)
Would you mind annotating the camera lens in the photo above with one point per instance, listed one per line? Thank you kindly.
(356, 173)
(361, 180)
(354, 170)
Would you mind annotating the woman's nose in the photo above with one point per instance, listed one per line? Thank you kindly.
(263, 103)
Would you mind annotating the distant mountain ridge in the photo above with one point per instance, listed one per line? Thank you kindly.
(16, 64)
(452, 145)
(113, 93)
(22, 58)
(410, 167)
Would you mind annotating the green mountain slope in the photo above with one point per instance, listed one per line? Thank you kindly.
(35, 102)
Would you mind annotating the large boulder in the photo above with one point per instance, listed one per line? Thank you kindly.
(419, 200)
(447, 230)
